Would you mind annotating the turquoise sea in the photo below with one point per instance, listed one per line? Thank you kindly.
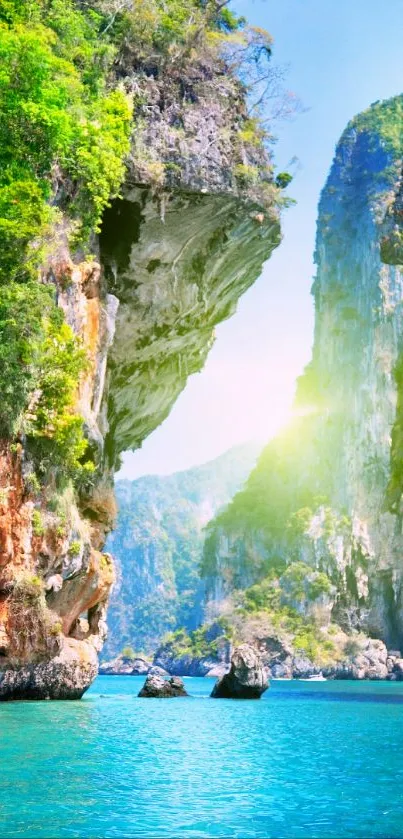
(319, 759)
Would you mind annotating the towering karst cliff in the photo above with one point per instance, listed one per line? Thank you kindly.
(157, 545)
(197, 217)
(320, 519)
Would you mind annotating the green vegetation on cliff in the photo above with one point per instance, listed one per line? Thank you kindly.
(65, 131)
(320, 498)
(40, 361)
(256, 616)
(63, 137)
(383, 120)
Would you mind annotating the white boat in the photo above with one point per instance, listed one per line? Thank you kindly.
(319, 678)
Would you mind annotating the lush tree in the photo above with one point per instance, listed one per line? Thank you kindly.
(64, 136)
(40, 363)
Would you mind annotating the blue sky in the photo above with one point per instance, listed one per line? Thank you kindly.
(341, 56)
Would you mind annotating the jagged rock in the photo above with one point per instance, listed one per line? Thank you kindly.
(157, 686)
(281, 670)
(125, 666)
(354, 657)
(398, 669)
(80, 629)
(172, 265)
(184, 665)
(369, 661)
(162, 336)
(303, 667)
(218, 671)
(65, 676)
(246, 678)
(347, 445)
(170, 657)
(158, 671)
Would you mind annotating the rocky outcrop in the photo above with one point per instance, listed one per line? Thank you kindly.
(184, 665)
(125, 666)
(359, 657)
(326, 495)
(176, 277)
(66, 675)
(186, 654)
(157, 687)
(171, 261)
(158, 671)
(338, 655)
(246, 678)
(51, 574)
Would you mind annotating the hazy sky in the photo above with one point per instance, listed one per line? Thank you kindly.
(342, 55)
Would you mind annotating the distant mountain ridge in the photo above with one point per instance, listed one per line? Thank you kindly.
(158, 546)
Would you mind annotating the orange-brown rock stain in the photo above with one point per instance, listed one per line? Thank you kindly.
(15, 512)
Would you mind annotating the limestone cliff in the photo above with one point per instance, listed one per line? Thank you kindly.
(186, 238)
(157, 545)
(321, 515)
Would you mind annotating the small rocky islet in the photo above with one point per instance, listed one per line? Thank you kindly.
(156, 686)
(246, 679)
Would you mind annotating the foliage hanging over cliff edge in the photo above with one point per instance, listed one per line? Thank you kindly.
(63, 138)
(65, 129)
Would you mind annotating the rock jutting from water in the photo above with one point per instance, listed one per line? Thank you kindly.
(246, 679)
(314, 541)
(157, 686)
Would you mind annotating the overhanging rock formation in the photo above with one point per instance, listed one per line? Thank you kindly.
(175, 253)
(177, 266)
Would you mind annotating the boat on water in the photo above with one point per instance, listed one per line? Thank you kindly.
(318, 678)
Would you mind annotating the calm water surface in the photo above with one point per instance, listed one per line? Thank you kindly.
(308, 760)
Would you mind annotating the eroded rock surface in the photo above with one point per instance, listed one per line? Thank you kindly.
(124, 666)
(171, 262)
(246, 679)
(175, 277)
(158, 687)
(322, 511)
(64, 676)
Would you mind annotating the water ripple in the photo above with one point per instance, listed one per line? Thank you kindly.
(320, 761)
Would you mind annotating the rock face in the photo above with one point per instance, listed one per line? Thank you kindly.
(179, 276)
(342, 656)
(49, 577)
(125, 666)
(65, 676)
(246, 678)
(362, 658)
(328, 492)
(196, 653)
(157, 544)
(170, 263)
(156, 686)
